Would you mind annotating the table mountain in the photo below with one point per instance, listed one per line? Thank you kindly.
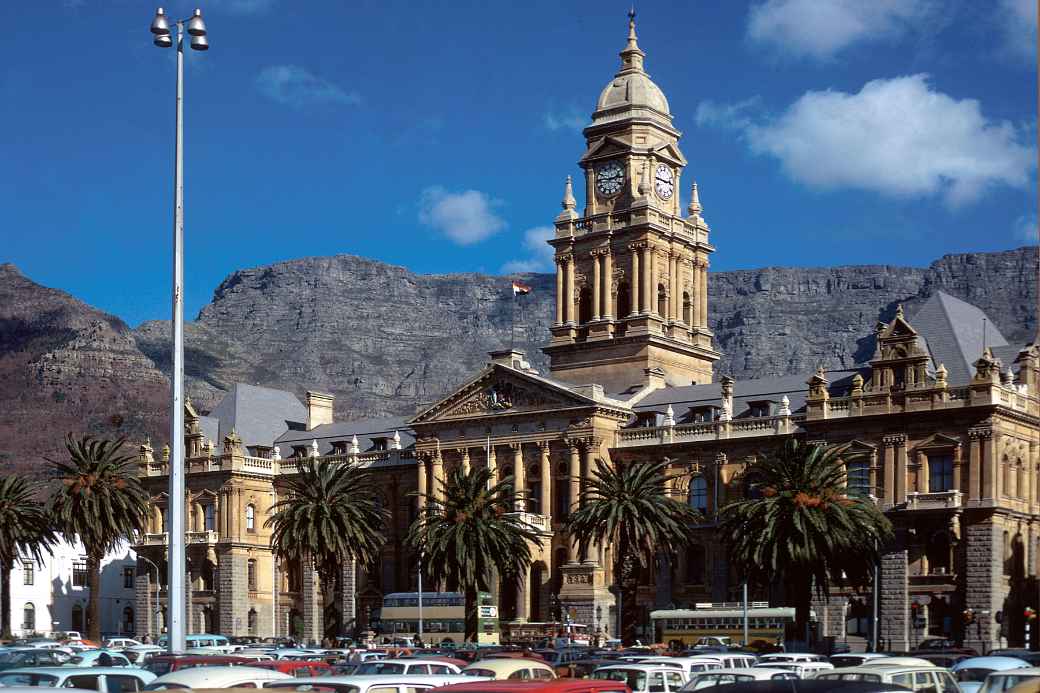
(385, 340)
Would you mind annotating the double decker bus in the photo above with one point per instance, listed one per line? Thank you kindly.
(443, 618)
(550, 634)
(686, 627)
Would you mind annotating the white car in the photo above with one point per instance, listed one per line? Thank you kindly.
(103, 679)
(643, 678)
(121, 643)
(769, 659)
(216, 677)
(396, 667)
(804, 670)
(913, 677)
(691, 665)
(722, 677)
(855, 659)
(371, 684)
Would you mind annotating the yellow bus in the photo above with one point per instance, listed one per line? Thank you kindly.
(682, 628)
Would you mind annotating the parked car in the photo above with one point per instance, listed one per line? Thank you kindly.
(720, 660)
(943, 644)
(803, 670)
(930, 678)
(120, 643)
(1031, 656)
(946, 660)
(644, 678)
(805, 686)
(397, 667)
(211, 642)
(29, 657)
(295, 668)
(555, 686)
(972, 672)
(216, 677)
(999, 681)
(160, 665)
(510, 668)
(104, 679)
(97, 658)
(721, 677)
(370, 684)
(854, 659)
(139, 654)
(769, 659)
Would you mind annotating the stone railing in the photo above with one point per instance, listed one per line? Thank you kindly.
(939, 500)
(204, 537)
(153, 539)
(714, 430)
(541, 523)
(924, 398)
(272, 467)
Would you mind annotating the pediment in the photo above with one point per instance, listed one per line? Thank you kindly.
(501, 390)
(861, 446)
(669, 152)
(605, 148)
(899, 327)
(939, 440)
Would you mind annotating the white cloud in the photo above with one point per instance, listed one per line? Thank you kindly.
(821, 29)
(570, 119)
(243, 7)
(466, 217)
(540, 252)
(896, 137)
(297, 87)
(1025, 229)
(1017, 21)
(735, 116)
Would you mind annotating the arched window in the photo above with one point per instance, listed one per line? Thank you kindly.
(699, 494)
(584, 305)
(128, 620)
(250, 518)
(252, 621)
(29, 618)
(857, 479)
(687, 309)
(662, 301)
(251, 574)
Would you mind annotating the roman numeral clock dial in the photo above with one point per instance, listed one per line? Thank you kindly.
(664, 182)
(609, 179)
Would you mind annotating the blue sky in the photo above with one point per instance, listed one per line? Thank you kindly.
(437, 135)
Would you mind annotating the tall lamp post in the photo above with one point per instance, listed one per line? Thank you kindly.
(196, 28)
(158, 587)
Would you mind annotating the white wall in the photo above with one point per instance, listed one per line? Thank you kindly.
(53, 595)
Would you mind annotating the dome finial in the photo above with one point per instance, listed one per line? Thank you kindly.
(632, 27)
(568, 195)
(632, 56)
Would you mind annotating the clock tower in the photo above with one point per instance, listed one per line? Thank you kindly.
(632, 271)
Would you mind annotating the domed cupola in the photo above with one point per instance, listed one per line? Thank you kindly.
(631, 92)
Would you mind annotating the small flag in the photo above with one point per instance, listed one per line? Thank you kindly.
(520, 289)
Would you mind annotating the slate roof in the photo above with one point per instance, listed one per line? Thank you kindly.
(257, 414)
(687, 397)
(952, 329)
(210, 427)
(367, 430)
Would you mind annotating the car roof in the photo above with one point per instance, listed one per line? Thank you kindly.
(882, 671)
(514, 685)
(421, 660)
(508, 664)
(77, 671)
(1029, 671)
(765, 671)
(998, 663)
(800, 686)
(637, 667)
(196, 676)
(393, 679)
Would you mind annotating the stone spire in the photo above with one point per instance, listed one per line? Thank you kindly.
(695, 208)
(355, 447)
(632, 56)
(568, 195)
(314, 448)
(395, 444)
(568, 214)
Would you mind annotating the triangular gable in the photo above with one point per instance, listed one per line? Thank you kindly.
(607, 146)
(671, 153)
(899, 327)
(939, 440)
(861, 446)
(502, 390)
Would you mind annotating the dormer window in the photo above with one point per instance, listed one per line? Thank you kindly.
(299, 451)
(647, 420)
(704, 414)
(760, 409)
(380, 444)
(339, 447)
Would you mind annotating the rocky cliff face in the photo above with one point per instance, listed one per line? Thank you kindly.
(385, 340)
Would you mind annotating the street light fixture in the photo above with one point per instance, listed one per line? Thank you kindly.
(175, 584)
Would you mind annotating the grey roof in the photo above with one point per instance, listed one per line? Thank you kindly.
(687, 397)
(952, 329)
(257, 414)
(210, 427)
(367, 430)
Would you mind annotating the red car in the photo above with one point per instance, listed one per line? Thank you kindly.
(296, 668)
(164, 664)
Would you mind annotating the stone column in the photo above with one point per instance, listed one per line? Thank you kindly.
(900, 469)
(492, 464)
(465, 460)
(923, 473)
(559, 291)
(983, 594)
(673, 287)
(437, 477)
(313, 606)
(889, 465)
(348, 595)
(545, 471)
(974, 466)
(895, 605)
(647, 301)
(1031, 477)
(957, 468)
(636, 288)
(608, 281)
(420, 475)
(988, 463)
(568, 290)
(144, 601)
(574, 477)
(655, 271)
(703, 293)
(597, 281)
(233, 595)
(519, 478)
(523, 602)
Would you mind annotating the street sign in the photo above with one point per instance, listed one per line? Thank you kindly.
(488, 611)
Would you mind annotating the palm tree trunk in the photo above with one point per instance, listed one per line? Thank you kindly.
(800, 590)
(94, 598)
(626, 573)
(5, 602)
(471, 613)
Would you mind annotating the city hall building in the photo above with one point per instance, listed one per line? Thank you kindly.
(947, 425)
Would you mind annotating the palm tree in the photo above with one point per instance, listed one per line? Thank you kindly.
(25, 531)
(804, 530)
(472, 534)
(330, 515)
(101, 502)
(628, 508)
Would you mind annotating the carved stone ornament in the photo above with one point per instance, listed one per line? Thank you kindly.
(500, 396)
(578, 579)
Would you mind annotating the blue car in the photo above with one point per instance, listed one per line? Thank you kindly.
(972, 672)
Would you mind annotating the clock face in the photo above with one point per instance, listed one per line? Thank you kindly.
(664, 182)
(609, 179)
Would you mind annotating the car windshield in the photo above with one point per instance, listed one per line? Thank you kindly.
(479, 672)
(13, 657)
(971, 674)
(635, 679)
(379, 668)
(994, 682)
(26, 679)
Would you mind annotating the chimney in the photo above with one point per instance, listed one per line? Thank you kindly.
(653, 378)
(513, 358)
(319, 409)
